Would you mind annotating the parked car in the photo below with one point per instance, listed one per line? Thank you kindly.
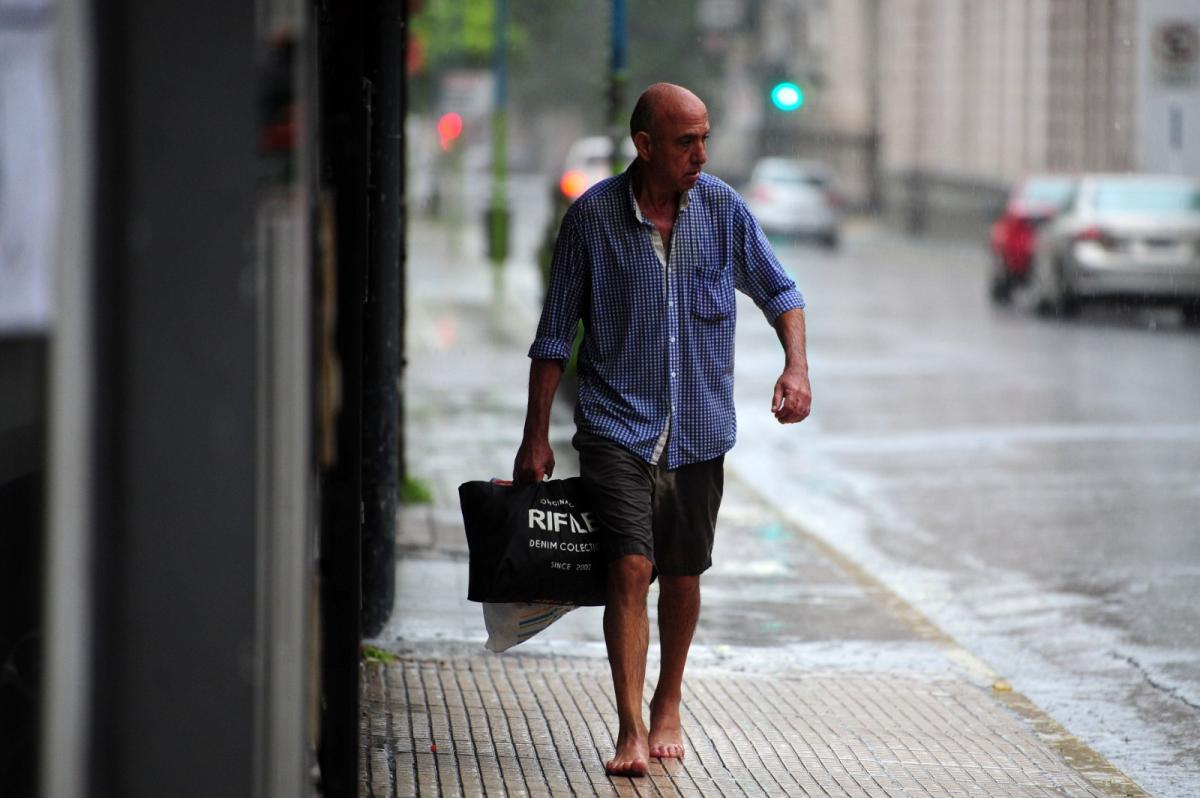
(1123, 236)
(587, 162)
(1033, 202)
(797, 198)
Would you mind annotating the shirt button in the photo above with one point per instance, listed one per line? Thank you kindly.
(672, 375)
(672, 339)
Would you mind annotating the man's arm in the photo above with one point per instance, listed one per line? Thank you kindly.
(535, 458)
(793, 395)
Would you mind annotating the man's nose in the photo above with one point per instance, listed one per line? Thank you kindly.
(700, 156)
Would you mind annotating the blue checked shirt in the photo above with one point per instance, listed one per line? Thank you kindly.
(658, 350)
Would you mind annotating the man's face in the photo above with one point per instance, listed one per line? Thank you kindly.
(676, 148)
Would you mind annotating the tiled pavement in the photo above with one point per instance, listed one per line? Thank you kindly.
(465, 723)
(868, 699)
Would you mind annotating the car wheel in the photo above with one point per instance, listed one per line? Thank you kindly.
(1057, 307)
(1041, 287)
(1001, 288)
(1069, 306)
(1066, 303)
(1191, 314)
(830, 241)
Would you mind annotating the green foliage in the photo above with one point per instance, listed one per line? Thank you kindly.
(462, 33)
(376, 654)
(454, 31)
(415, 491)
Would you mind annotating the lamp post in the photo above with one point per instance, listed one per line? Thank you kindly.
(618, 80)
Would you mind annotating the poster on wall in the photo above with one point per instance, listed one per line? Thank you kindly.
(28, 167)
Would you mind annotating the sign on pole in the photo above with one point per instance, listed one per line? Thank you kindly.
(1168, 87)
(1175, 45)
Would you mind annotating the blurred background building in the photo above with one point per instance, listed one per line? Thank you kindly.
(975, 95)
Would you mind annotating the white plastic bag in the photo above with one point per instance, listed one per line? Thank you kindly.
(509, 624)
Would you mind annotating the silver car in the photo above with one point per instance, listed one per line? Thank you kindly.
(795, 197)
(1131, 237)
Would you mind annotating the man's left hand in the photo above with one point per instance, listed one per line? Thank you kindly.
(793, 397)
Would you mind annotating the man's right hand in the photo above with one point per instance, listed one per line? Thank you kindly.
(535, 459)
(534, 462)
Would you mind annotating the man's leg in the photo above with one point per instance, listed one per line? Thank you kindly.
(678, 610)
(627, 635)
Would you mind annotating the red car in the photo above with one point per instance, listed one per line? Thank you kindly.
(1033, 201)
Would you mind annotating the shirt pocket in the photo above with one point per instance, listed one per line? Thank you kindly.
(712, 294)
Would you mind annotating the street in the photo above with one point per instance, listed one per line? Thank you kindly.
(1031, 485)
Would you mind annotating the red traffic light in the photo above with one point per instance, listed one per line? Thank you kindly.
(449, 128)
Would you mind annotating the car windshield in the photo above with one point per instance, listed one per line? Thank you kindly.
(1047, 190)
(1146, 197)
(794, 179)
(791, 174)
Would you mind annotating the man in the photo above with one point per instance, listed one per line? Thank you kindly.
(649, 260)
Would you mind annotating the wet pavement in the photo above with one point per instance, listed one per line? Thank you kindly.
(810, 674)
(1031, 485)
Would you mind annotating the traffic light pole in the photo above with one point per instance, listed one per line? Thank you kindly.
(618, 80)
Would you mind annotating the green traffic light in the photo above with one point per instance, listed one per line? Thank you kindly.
(787, 96)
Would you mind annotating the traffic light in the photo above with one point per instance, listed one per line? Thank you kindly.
(449, 128)
(787, 96)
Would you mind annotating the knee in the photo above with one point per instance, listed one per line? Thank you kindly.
(675, 588)
(629, 577)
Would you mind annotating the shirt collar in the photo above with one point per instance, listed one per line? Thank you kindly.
(684, 199)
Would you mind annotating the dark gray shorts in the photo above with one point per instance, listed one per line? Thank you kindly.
(670, 517)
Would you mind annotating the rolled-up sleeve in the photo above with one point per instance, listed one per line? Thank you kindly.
(760, 275)
(564, 295)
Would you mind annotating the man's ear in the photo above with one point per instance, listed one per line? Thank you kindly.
(641, 141)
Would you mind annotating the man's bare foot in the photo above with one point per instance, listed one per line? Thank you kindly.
(666, 734)
(632, 757)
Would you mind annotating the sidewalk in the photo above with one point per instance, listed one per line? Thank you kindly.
(808, 677)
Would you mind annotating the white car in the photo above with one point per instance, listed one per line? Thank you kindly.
(1128, 237)
(794, 197)
(588, 161)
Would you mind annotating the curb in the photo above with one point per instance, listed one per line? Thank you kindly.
(1083, 759)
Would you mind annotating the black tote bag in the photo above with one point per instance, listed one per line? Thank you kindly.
(532, 543)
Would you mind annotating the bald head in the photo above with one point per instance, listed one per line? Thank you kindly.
(669, 126)
(659, 100)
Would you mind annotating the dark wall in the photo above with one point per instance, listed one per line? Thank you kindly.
(22, 539)
(175, 470)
